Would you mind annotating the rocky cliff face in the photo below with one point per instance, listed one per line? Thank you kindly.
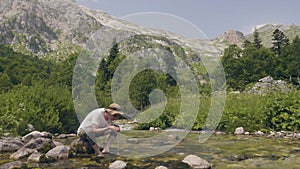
(55, 28)
(231, 37)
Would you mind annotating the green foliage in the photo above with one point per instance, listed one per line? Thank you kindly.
(47, 108)
(279, 41)
(283, 112)
(257, 40)
(248, 65)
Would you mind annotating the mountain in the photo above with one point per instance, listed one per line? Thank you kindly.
(265, 33)
(55, 28)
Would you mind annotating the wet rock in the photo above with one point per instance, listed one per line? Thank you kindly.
(118, 165)
(196, 162)
(10, 145)
(161, 167)
(239, 131)
(133, 141)
(58, 153)
(11, 165)
(35, 135)
(80, 147)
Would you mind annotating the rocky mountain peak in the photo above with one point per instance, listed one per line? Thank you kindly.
(232, 37)
(56, 28)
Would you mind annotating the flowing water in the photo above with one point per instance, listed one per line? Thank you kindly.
(221, 151)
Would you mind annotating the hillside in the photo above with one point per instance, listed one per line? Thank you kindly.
(54, 28)
(265, 34)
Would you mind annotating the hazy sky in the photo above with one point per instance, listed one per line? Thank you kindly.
(213, 17)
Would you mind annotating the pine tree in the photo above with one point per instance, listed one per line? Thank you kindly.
(279, 41)
(257, 40)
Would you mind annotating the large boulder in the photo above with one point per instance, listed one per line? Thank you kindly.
(41, 144)
(34, 157)
(10, 145)
(196, 162)
(35, 135)
(21, 153)
(11, 165)
(58, 153)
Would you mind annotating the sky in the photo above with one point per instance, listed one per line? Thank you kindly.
(212, 17)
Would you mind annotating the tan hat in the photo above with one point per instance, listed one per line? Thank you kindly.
(114, 109)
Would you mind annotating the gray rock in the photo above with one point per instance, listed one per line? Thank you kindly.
(34, 157)
(267, 79)
(64, 136)
(161, 167)
(35, 135)
(58, 153)
(80, 147)
(40, 143)
(21, 153)
(11, 165)
(259, 133)
(239, 131)
(10, 145)
(118, 165)
(196, 162)
(57, 143)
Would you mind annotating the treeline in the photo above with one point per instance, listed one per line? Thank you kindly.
(39, 91)
(247, 65)
(35, 91)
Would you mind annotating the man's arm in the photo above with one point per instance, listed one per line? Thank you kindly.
(102, 130)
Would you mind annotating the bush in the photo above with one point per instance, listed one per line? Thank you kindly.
(283, 112)
(47, 108)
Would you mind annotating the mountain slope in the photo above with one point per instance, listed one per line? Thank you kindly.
(265, 34)
(54, 28)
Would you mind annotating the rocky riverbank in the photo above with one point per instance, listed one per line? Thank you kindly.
(44, 150)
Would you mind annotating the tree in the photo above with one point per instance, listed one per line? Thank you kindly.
(279, 41)
(257, 40)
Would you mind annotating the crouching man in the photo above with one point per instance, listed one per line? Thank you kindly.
(99, 123)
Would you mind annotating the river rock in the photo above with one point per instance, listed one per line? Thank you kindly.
(80, 147)
(35, 135)
(34, 157)
(259, 133)
(43, 144)
(11, 165)
(64, 136)
(239, 131)
(21, 153)
(161, 167)
(118, 165)
(196, 162)
(10, 145)
(58, 153)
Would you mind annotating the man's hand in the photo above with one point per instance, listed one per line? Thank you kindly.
(115, 128)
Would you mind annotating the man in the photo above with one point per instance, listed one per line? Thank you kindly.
(99, 123)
